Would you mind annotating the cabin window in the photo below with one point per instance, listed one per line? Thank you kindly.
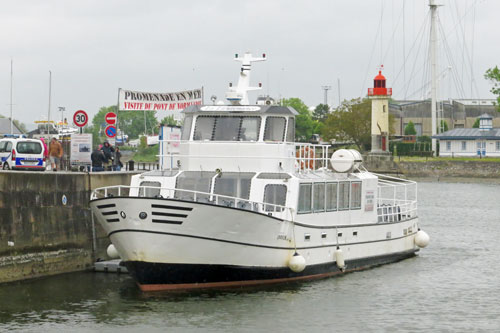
(343, 196)
(186, 128)
(250, 128)
(234, 184)
(331, 196)
(227, 128)
(275, 129)
(448, 145)
(274, 195)
(305, 192)
(150, 189)
(464, 145)
(319, 197)
(204, 128)
(290, 133)
(356, 195)
(199, 181)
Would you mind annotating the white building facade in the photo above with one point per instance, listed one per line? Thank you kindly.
(481, 142)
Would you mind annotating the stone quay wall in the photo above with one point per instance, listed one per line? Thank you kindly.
(46, 225)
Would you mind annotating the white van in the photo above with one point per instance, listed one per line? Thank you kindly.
(22, 154)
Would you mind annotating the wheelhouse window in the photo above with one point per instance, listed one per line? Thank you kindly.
(331, 196)
(275, 195)
(343, 196)
(319, 197)
(305, 199)
(227, 128)
(275, 129)
(356, 195)
(199, 181)
(186, 128)
(234, 184)
(290, 132)
(149, 189)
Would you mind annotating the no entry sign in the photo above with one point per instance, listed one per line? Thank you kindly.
(110, 118)
(80, 118)
(110, 131)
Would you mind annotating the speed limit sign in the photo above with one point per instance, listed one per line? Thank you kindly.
(80, 118)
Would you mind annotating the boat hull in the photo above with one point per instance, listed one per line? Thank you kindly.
(197, 245)
(160, 276)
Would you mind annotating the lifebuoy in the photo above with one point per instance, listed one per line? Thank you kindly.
(306, 157)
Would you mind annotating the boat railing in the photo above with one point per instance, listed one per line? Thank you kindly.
(308, 156)
(390, 210)
(397, 198)
(194, 196)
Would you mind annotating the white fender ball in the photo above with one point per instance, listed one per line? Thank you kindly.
(339, 258)
(297, 263)
(422, 239)
(112, 253)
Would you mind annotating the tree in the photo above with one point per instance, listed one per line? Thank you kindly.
(169, 121)
(321, 112)
(444, 126)
(476, 123)
(493, 75)
(410, 129)
(350, 122)
(129, 122)
(304, 124)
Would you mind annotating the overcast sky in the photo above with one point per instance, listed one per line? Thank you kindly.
(94, 47)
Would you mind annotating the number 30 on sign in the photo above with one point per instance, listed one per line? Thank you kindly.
(80, 118)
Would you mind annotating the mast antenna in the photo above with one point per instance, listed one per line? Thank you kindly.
(239, 94)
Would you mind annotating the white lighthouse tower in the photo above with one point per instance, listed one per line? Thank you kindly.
(380, 95)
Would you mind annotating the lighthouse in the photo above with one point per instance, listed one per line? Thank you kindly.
(380, 95)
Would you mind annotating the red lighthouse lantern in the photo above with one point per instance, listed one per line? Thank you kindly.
(379, 88)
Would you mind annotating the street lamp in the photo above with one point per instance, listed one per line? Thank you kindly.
(62, 109)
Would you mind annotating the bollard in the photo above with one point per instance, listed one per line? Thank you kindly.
(131, 165)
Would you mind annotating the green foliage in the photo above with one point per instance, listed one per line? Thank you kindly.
(410, 129)
(129, 122)
(493, 75)
(143, 143)
(476, 123)
(320, 113)
(304, 123)
(424, 138)
(444, 126)
(169, 121)
(351, 122)
(411, 149)
(146, 154)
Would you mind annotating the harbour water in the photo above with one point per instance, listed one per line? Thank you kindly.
(453, 285)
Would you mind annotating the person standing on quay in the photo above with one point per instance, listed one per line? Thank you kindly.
(55, 153)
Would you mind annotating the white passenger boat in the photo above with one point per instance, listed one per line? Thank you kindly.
(246, 205)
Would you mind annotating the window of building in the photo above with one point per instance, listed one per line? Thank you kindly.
(356, 195)
(305, 201)
(194, 181)
(319, 197)
(275, 129)
(464, 145)
(149, 190)
(448, 145)
(290, 133)
(498, 146)
(343, 196)
(331, 196)
(186, 128)
(275, 195)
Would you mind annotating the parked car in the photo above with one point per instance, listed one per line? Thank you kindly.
(22, 154)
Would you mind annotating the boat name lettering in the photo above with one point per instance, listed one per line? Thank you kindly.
(229, 108)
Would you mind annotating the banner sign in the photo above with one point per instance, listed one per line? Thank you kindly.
(144, 101)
